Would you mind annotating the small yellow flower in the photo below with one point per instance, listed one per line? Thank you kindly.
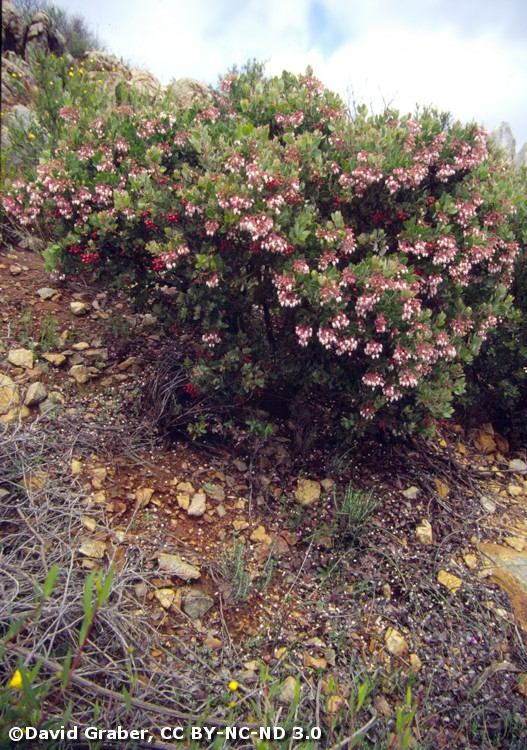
(233, 686)
(30, 136)
(16, 680)
(51, 83)
(81, 71)
(71, 73)
(232, 704)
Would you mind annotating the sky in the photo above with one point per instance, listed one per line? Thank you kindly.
(467, 57)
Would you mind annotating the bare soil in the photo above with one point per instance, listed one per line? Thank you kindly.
(323, 599)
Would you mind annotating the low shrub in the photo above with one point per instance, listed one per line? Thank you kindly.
(357, 261)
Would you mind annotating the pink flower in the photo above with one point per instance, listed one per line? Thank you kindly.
(373, 349)
(304, 333)
(373, 379)
(340, 321)
(211, 339)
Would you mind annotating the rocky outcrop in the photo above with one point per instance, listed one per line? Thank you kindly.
(520, 159)
(13, 30)
(505, 141)
(24, 40)
(18, 83)
(42, 36)
(187, 92)
(144, 83)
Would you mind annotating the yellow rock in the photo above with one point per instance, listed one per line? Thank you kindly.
(451, 582)
(165, 597)
(100, 472)
(516, 542)
(89, 523)
(76, 467)
(21, 358)
(509, 569)
(93, 548)
(484, 442)
(15, 415)
(239, 524)
(307, 491)
(424, 532)
(289, 690)
(443, 490)
(471, 561)
(186, 487)
(36, 481)
(176, 565)
(395, 642)
(416, 662)
(183, 500)
(9, 394)
(315, 662)
(54, 359)
(260, 535)
(143, 496)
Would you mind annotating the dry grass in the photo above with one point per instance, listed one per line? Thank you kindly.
(130, 673)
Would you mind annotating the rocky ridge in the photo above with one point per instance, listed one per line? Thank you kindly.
(20, 43)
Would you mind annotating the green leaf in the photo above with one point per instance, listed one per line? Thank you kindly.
(127, 699)
(87, 596)
(66, 669)
(50, 580)
(106, 587)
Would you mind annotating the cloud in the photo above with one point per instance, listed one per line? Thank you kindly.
(467, 57)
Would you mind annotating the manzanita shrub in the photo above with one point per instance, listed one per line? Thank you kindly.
(357, 260)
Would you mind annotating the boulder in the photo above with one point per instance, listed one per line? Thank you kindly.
(187, 92)
(42, 36)
(504, 140)
(13, 29)
(144, 83)
(104, 62)
(113, 71)
(520, 159)
(18, 83)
